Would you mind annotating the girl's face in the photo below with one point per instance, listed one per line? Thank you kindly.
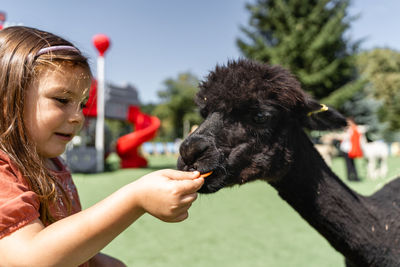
(53, 108)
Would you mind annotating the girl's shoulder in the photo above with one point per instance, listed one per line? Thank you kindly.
(8, 169)
(18, 204)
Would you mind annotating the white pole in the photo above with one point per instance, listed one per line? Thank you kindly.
(100, 115)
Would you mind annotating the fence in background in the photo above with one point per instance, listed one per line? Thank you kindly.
(160, 148)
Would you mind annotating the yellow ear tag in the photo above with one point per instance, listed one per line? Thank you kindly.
(322, 109)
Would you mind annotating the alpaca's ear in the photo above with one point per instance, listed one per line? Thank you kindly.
(321, 117)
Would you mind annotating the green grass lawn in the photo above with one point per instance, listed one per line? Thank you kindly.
(248, 226)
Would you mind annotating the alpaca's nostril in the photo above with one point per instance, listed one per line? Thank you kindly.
(192, 149)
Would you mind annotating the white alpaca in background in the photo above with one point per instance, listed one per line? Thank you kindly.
(376, 153)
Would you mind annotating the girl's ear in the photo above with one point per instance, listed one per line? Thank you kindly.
(321, 117)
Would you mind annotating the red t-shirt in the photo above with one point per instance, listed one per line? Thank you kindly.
(19, 205)
(355, 151)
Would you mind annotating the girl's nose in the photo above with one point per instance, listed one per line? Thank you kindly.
(77, 116)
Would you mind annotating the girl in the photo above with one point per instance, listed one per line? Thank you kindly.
(44, 83)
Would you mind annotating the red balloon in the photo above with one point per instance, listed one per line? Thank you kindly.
(101, 42)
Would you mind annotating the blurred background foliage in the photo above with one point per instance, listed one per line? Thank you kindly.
(177, 109)
(381, 67)
(310, 38)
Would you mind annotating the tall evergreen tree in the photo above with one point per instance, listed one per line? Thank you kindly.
(307, 37)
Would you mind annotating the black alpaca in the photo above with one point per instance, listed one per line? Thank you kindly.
(253, 129)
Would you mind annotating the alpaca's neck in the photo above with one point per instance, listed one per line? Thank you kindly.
(343, 217)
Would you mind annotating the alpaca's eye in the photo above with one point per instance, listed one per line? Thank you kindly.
(261, 118)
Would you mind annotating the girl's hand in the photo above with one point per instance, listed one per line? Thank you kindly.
(168, 194)
(103, 260)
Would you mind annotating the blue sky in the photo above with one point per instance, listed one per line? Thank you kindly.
(153, 40)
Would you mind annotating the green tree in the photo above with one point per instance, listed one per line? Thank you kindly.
(148, 108)
(364, 108)
(177, 105)
(308, 38)
(381, 67)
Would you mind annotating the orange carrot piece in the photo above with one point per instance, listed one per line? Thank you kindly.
(204, 175)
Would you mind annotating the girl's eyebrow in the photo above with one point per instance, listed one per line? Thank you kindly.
(70, 93)
(61, 89)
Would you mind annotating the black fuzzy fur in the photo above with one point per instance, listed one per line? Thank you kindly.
(253, 129)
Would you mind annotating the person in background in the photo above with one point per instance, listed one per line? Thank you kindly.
(351, 148)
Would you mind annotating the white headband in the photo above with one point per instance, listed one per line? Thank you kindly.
(56, 48)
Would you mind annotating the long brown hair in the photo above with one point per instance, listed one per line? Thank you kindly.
(19, 66)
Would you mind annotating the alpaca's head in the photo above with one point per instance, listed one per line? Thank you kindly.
(251, 112)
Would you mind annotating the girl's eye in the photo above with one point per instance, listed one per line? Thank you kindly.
(61, 100)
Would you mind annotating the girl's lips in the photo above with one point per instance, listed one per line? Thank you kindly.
(66, 137)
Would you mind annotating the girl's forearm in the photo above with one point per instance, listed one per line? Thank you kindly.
(82, 235)
(165, 194)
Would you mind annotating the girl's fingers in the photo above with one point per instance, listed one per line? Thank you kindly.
(189, 198)
(182, 217)
(180, 175)
(190, 186)
(178, 215)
